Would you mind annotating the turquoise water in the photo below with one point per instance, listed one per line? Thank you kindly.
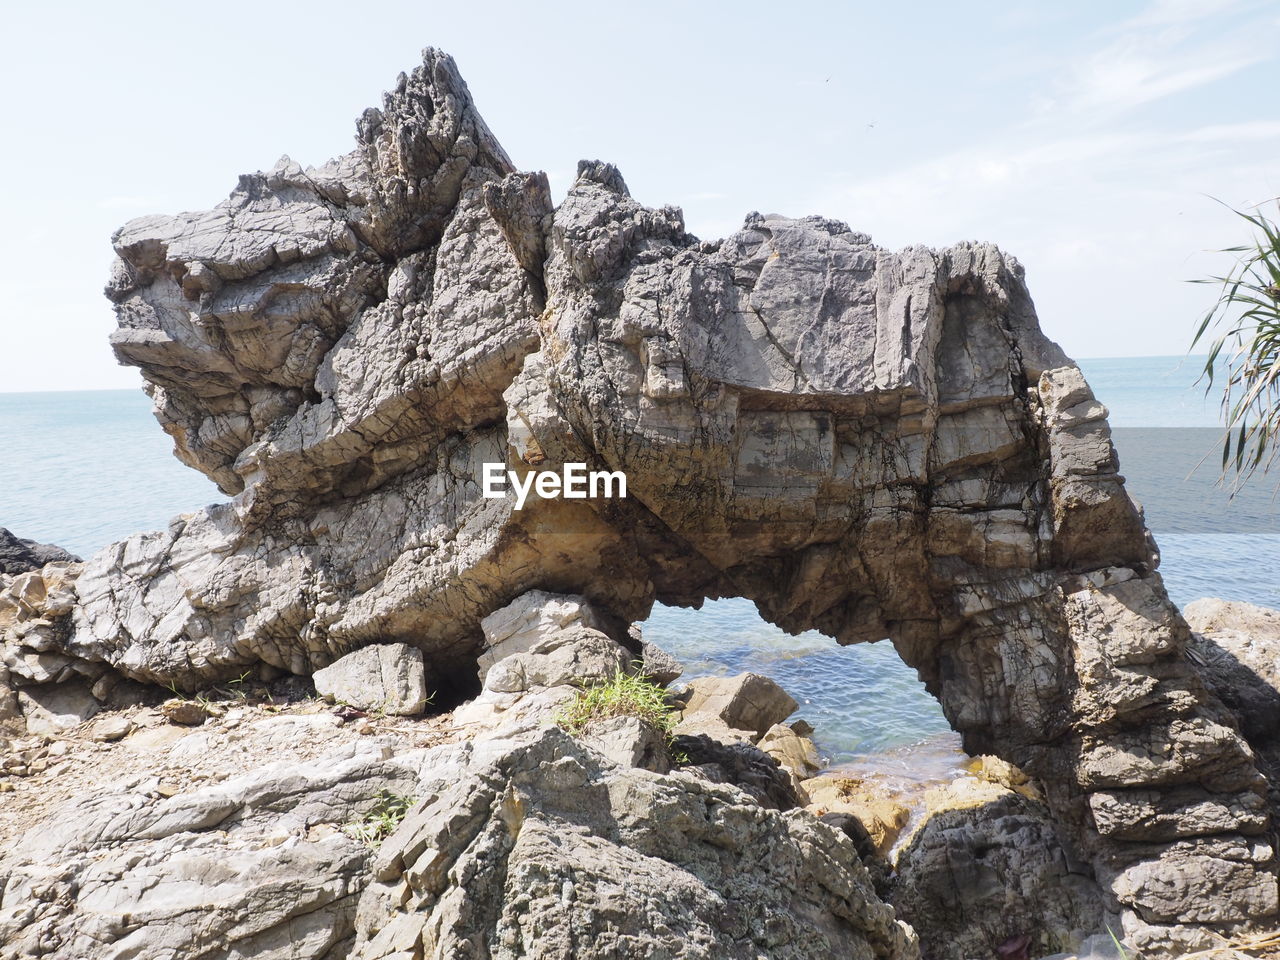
(82, 469)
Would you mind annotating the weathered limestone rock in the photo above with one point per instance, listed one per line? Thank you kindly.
(720, 759)
(870, 443)
(10, 711)
(51, 709)
(1215, 617)
(112, 728)
(128, 873)
(1237, 647)
(658, 665)
(748, 701)
(1237, 650)
(562, 658)
(562, 856)
(532, 618)
(985, 869)
(388, 677)
(794, 751)
(516, 837)
(629, 742)
(185, 713)
(883, 818)
(549, 653)
(1005, 774)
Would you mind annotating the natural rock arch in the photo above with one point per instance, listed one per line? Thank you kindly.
(864, 442)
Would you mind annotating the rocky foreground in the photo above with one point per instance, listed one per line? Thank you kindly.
(241, 829)
(871, 443)
(350, 819)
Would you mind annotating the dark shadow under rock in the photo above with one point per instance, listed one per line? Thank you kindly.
(741, 764)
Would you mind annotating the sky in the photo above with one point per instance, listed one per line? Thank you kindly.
(1095, 141)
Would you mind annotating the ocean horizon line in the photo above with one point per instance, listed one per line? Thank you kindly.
(1147, 356)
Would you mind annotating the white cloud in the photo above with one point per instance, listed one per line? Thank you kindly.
(1234, 132)
(1171, 47)
(1109, 222)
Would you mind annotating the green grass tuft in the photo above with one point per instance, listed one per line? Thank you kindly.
(382, 818)
(622, 695)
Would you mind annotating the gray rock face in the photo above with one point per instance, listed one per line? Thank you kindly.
(658, 665)
(865, 442)
(387, 677)
(518, 841)
(20, 556)
(536, 619)
(230, 866)
(52, 708)
(988, 871)
(563, 857)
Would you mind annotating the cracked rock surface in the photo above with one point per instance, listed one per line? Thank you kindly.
(248, 837)
(867, 442)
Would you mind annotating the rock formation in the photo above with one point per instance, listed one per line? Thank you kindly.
(22, 556)
(986, 870)
(514, 840)
(866, 442)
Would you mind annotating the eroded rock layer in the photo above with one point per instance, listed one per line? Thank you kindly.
(870, 443)
(288, 830)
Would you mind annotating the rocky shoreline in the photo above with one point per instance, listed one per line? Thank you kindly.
(869, 443)
(142, 802)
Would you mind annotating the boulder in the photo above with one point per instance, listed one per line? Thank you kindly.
(185, 713)
(533, 618)
(881, 817)
(576, 656)
(629, 742)
(985, 869)
(706, 725)
(533, 840)
(1213, 616)
(129, 871)
(19, 556)
(748, 701)
(558, 853)
(387, 678)
(795, 752)
(1005, 774)
(556, 656)
(658, 665)
(1236, 650)
(736, 762)
(112, 727)
(54, 709)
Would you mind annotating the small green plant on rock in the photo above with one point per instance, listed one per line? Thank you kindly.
(381, 820)
(622, 695)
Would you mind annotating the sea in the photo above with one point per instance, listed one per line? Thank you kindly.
(85, 468)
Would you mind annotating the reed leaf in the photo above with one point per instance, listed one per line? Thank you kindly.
(1242, 334)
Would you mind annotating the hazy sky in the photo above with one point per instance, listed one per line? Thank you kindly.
(1085, 138)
